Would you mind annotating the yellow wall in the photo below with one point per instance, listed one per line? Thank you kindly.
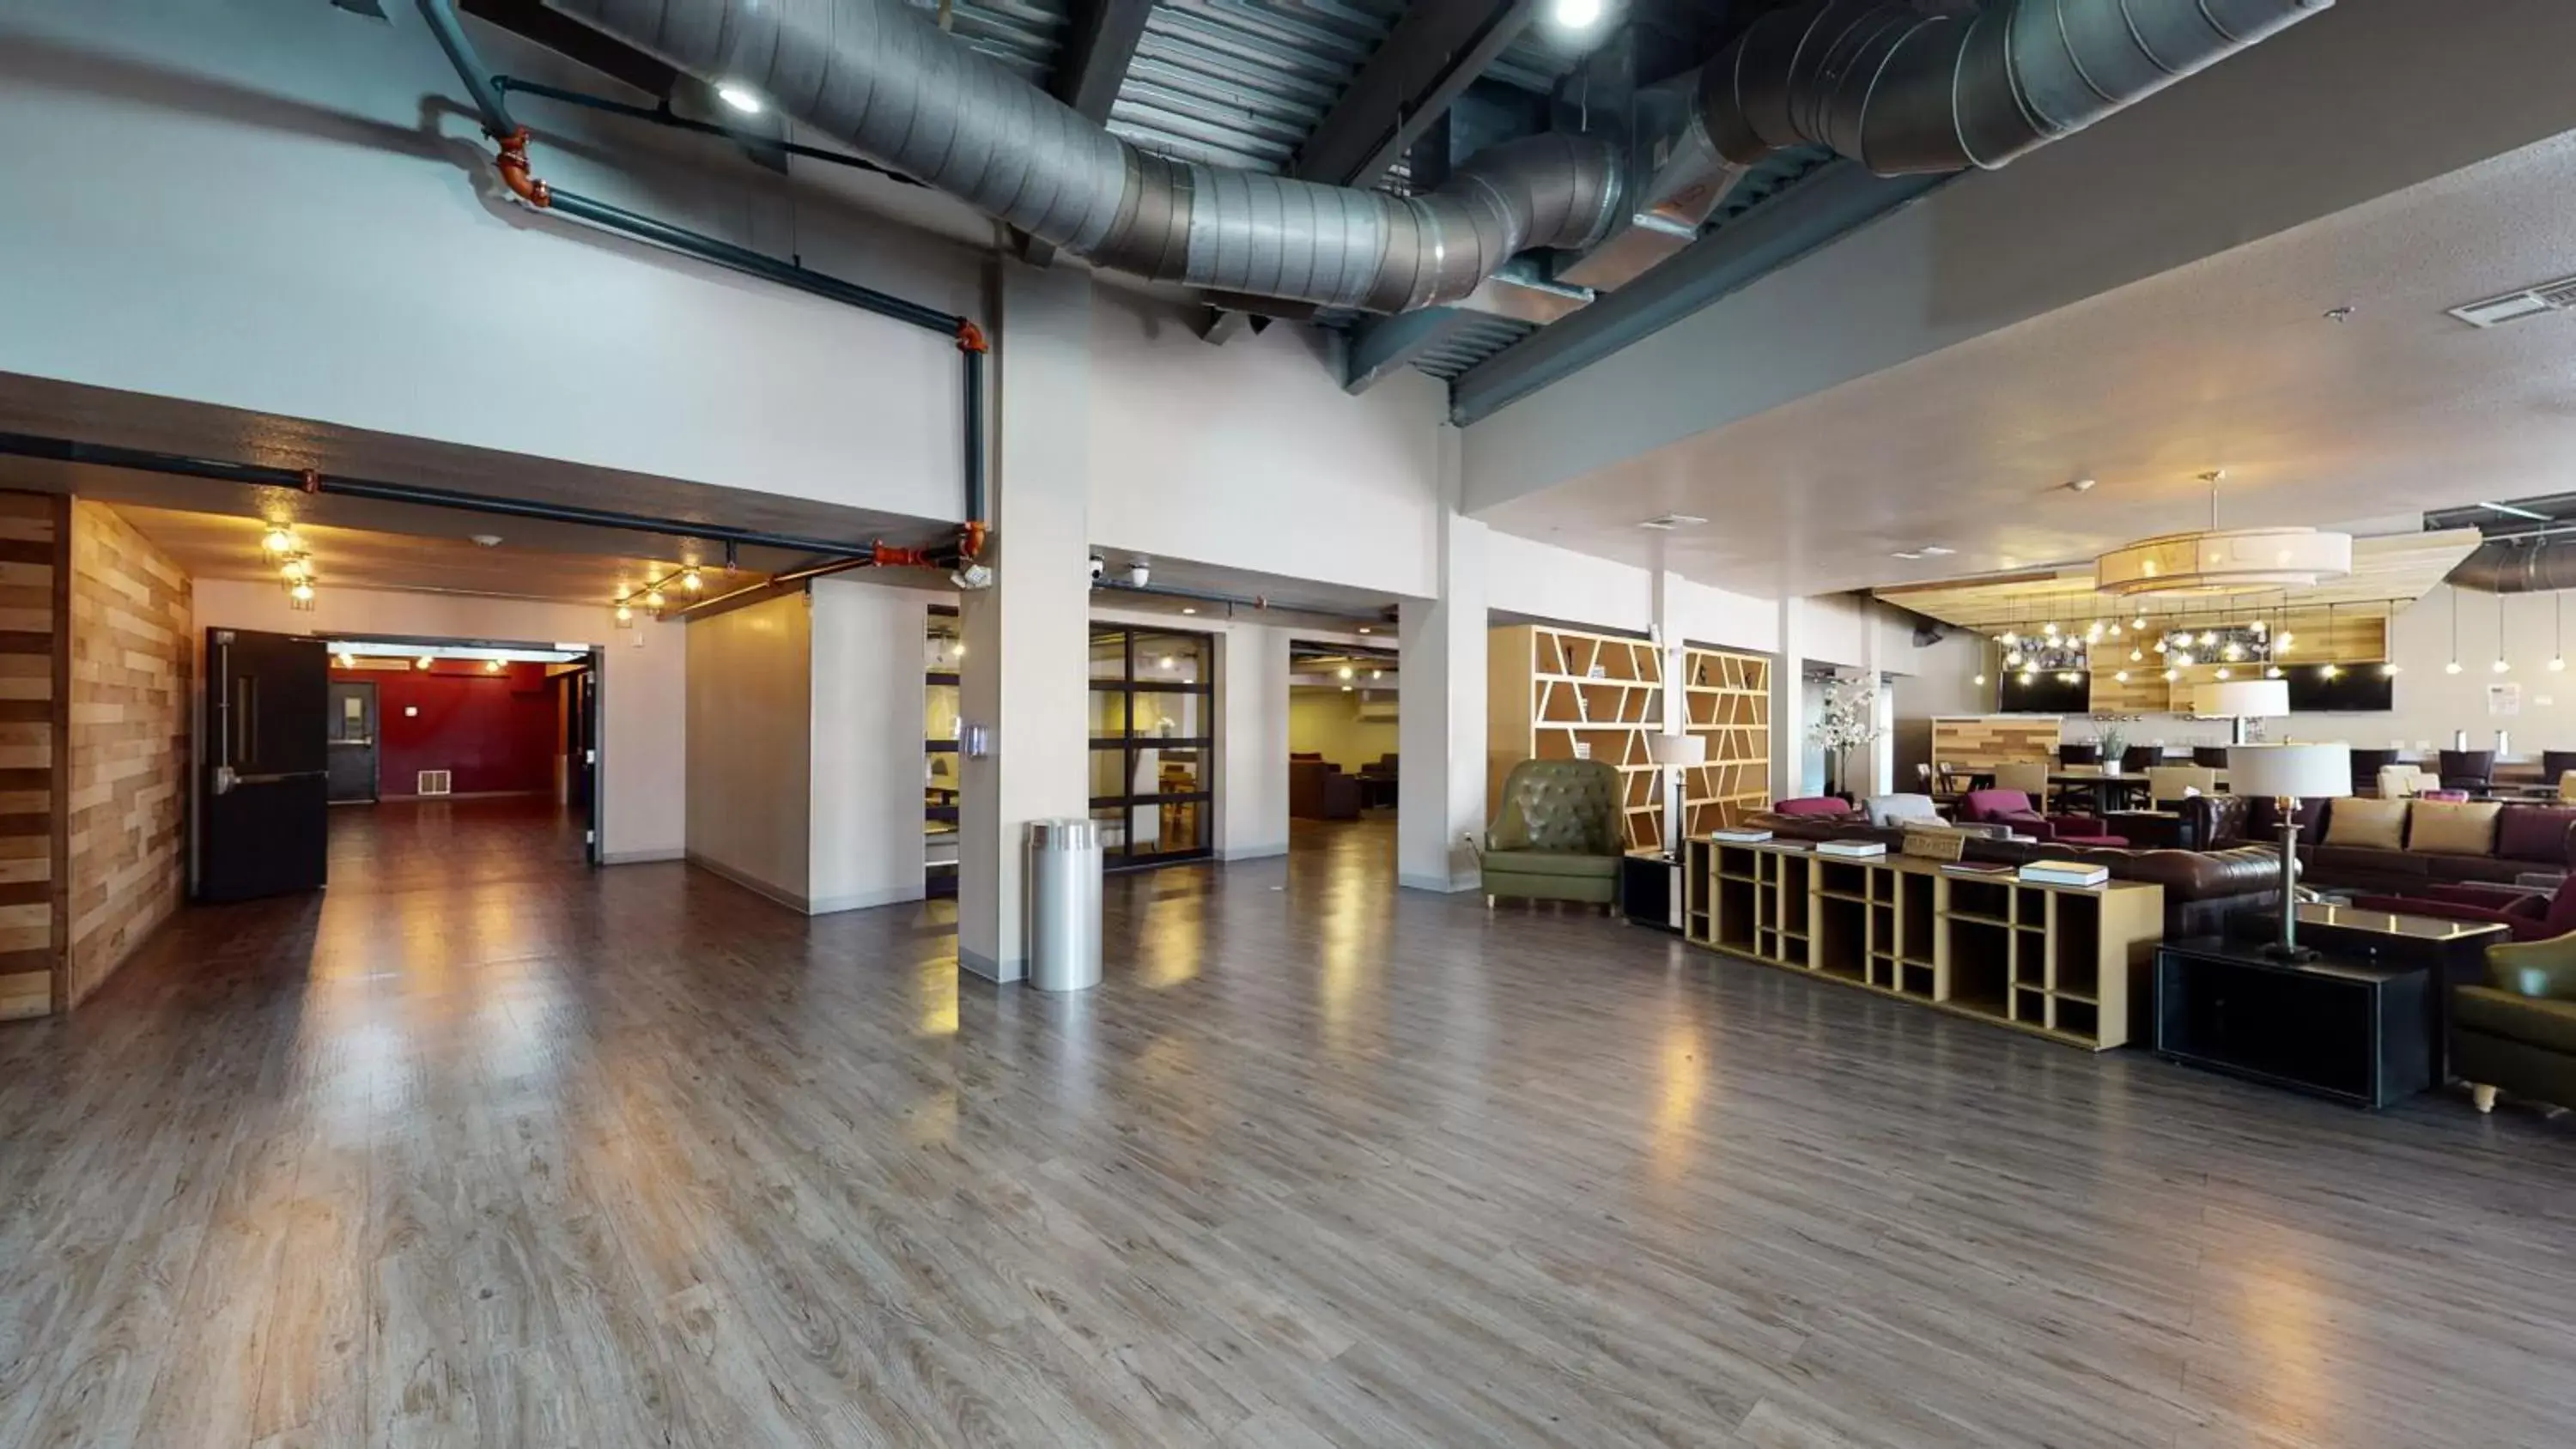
(1326, 722)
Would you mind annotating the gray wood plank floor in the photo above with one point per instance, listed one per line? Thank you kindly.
(481, 1148)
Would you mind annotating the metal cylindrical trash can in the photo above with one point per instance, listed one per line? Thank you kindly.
(1064, 904)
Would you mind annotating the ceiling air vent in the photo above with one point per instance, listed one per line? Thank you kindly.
(2557, 296)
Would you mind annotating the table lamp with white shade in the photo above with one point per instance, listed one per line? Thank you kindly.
(1673, 754)
(2239, 700)
(2290, 774)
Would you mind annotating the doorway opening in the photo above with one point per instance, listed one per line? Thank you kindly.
(318, 746)
(1342, 734)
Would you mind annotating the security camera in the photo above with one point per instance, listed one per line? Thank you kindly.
(1099, 568)
(1139, 573)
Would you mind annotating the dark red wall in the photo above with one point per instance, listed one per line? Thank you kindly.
(493, 732)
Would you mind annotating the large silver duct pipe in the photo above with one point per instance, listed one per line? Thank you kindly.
(881, 77)
(1903, 90)
(2518, 566)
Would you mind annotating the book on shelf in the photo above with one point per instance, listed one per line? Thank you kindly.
(1852, 849)
(2064, 872)
(1739, 837)
(1978, 869)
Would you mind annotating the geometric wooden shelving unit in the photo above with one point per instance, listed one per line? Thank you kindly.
(1561, 694)
(1727, 697)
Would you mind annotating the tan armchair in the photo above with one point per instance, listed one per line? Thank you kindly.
(1557, 836)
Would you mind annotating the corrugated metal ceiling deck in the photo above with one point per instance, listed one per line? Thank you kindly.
(1025, 35)
(1243, 82)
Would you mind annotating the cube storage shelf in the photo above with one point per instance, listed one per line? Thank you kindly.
(2070, 963)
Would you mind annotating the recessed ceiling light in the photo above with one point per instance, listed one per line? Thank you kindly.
(1934, 550)
(1576, 14)
(1671, 521)
(2079, 485)
(741, 97)
(1186, 609)
(487, 540)
(1907, 553)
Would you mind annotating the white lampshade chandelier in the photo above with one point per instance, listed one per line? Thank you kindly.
(2217, 561)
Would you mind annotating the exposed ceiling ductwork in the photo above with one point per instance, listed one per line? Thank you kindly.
(880, 76)
(1905, 91)
(1885, 82)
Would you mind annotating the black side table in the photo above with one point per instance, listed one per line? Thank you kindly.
(2353, 1030)
(1646, 882)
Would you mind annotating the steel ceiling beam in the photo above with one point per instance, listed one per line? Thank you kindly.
(1837, 200)
(1408, 83)
(1090, 69)
(1383, 345)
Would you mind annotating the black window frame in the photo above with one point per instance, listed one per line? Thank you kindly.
(1125, 686)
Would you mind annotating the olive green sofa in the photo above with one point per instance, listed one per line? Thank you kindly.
(1558, 835)
(2517, 1032)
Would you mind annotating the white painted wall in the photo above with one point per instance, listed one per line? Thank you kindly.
(643, 810)
(868, 703)
(274, 214)
(2323, 117)
(1252, 741)
(1251, 455)
(749, 706)
(1542, 581)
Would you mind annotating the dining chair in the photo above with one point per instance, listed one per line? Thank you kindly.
(2028, 776)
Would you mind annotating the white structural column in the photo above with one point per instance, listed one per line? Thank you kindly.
(1788, 703)
(1879, 770)
(1025, 679)
(1668, 639)
(1252, 742)
(864, 830)
(1440, 795)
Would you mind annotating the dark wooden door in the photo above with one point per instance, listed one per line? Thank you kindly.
(352, 741)
(264, 826)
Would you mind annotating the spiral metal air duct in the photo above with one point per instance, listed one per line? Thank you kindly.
(1893, 85)
(1901, 89)
(881, 77)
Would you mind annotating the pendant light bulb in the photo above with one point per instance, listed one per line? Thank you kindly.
(279, 539)
(692, 582)
(2451, 668)
(421, 663)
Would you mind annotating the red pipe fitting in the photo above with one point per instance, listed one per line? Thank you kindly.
(512, 163)
(970, 338)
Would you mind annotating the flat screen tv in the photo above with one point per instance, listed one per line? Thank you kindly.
(2361, 688)
(2045, 694)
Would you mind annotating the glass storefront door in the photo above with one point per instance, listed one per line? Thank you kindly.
(1153, 778)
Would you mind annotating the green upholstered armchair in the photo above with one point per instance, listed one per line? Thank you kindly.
(1558, 837)
(2518, 1032)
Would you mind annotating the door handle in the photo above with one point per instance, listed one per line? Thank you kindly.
(227, 777)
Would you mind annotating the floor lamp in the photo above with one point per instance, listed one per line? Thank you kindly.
(1673, 754)
(2289, 774)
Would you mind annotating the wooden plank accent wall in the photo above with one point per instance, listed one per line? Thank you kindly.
(33, 735)
(1983, 741)
(132, 632)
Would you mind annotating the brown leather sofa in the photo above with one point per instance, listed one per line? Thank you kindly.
(1318, 790)
(2202, 887)
(2529, 839)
